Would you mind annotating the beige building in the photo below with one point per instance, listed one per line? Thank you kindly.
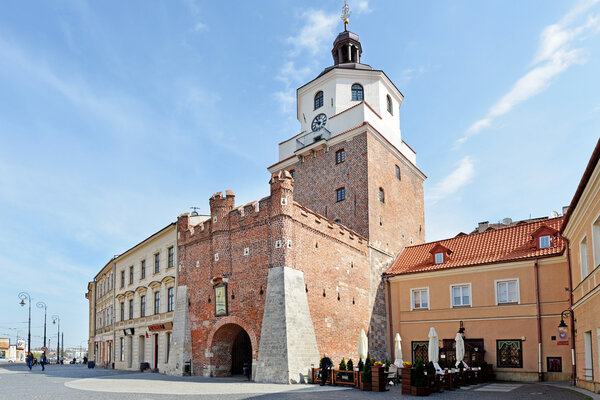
(582, 229)
(145, 284)
(505, 287)
(101, 297)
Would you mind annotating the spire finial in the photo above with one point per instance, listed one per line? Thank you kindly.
(345, 15)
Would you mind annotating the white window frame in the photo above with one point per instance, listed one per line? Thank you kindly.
(595, 242)
(584, 258)
(540, 245)
(412, 299)
(468, 285)
(497, 281)
(435, 256)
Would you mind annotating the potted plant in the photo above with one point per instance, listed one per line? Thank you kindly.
(419, 387)
(350, 365)
(378, 374)
(366, 379)
(431, 376)
(342, 366)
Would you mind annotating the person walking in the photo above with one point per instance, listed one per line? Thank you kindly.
(43, 361)
(29, 360)
(326, 364)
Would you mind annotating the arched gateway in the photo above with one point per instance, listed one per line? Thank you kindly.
(232, 346)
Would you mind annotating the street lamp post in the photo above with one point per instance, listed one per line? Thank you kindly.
(23, 296)
(562, 333)
(41, 304)
(55, 319)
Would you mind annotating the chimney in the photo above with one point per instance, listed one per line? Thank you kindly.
(565, 209)
(483, 226)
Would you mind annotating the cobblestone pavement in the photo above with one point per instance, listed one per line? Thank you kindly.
(79, 382)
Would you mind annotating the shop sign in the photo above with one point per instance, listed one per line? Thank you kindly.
(160, 327)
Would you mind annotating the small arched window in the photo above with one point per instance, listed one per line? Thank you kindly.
(319, 99)
(357, 92)
(389, 105)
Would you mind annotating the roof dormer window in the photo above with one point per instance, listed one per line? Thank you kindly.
(319, 99)
(440, 254)
(544, 242)
(439, 258)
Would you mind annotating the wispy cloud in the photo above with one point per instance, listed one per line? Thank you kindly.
(200, 27)
(316, 32)
(458, 178)
(362, 7)
(553, 56)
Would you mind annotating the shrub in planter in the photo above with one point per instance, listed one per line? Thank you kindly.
(461, 366)
(350, 365)
(366, 373)
(387, 365)
(321, 363)
(361, 365)
(419, 374)
(430, 368)
(342, 365)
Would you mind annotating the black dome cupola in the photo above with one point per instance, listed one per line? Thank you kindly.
(346, 48)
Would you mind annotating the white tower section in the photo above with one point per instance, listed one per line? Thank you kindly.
(378, 105)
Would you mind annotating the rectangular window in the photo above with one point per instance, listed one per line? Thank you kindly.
(171, 261)
(131, 275)
(122, 350)
(507, 291)
(157, 263)
(439, 258)
(544, 242)
(340, 194)
(398, 173)
(509, 353)
(340, 156)
(381, 195)
(588, 369)
(170, 299)
(122, 279)
(143, 306)
(461, 295)
(156, 302)
(554, 364)
(131, 309)
(583, 258)
(168, 346)
(143, 270)
(420, 298)
(122, 311)
(596, 242)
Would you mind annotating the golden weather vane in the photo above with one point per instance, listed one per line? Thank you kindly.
(345, 15)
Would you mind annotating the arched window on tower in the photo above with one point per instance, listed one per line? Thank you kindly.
(357, 92)
(389, 105)
(319, 99)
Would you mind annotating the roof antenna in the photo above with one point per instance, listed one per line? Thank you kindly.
(195, 211)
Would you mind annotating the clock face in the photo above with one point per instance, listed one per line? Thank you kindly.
(319, 122)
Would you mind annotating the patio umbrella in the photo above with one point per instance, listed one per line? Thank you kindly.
(363, 345)
(460, 349)
(434, 348)
(398, 351)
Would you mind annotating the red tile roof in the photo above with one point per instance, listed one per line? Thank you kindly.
(492, 246)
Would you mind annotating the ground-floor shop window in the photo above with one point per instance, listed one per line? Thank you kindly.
(509, 353)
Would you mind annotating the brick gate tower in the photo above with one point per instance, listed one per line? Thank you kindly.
(350, 164)
(268, 286)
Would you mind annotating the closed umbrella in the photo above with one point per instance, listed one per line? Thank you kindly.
(363, 345)
(460, 349)
(398, 350)
(434, 349)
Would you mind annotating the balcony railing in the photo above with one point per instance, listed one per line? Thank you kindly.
(312, 137)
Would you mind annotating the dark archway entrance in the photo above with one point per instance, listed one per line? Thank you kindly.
(241, 353)
(231, 346)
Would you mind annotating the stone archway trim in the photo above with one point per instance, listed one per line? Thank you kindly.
(236, 321)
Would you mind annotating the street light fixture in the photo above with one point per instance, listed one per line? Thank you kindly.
(55, 319)
(41, 304)
(461, 330)
(23, 296)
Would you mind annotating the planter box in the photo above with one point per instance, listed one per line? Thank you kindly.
(419, 391)
(406, 377)
(344, 378)
(365, 386)
(378, 377)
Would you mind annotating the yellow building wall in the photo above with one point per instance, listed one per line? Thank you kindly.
(486, 320)
(586, 289)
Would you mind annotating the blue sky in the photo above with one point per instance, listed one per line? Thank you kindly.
(115, 117)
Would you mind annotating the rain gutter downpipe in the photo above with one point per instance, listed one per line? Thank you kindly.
(539, 319)
(573, 360)
(391, 327)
